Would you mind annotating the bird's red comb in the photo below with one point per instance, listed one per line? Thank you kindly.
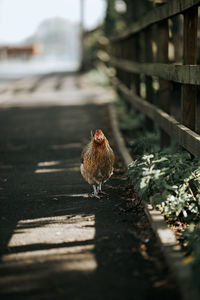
(98, 132)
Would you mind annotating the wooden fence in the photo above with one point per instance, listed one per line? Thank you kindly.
(152, 82)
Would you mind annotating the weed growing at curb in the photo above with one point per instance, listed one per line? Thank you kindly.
(170, 181)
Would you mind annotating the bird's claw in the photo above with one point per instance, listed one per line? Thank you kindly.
(96, 196)
(93, 195)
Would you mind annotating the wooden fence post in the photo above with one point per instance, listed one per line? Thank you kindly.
(137, 59)
(126, 55)
(132, 58)
(148, 79)
(177, 38)
(165, 87)
(127, 75)
(188, 99)
(118, 54)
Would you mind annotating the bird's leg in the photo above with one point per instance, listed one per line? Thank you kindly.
(99, 189)
(95, 191)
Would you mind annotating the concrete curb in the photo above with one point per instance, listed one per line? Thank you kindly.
(169, 245)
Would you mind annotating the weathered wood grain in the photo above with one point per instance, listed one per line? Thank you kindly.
(186, 74)
(158, 14)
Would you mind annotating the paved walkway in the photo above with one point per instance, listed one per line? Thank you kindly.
(56, 243)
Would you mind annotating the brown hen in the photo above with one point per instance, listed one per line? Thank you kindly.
(97, 160)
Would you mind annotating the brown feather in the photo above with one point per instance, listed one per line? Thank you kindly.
(97, 161)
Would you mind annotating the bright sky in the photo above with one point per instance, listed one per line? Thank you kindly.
(20, 18)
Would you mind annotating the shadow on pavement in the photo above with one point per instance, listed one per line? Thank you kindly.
(56, 243)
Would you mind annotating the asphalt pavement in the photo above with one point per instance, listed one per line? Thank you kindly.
(55, 241)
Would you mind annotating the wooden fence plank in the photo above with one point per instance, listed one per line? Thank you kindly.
(182, 134)
(158, 14)
(187, 74)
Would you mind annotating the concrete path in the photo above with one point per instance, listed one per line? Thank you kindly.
(56, 243)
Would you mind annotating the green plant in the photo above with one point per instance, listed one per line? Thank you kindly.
(170, 181)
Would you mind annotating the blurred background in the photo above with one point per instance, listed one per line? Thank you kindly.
(44, 36)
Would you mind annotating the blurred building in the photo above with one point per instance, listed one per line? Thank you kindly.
(23, 52)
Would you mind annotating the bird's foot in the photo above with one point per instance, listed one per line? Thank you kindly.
(92, 195)
(95, 193)
(96, 196)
